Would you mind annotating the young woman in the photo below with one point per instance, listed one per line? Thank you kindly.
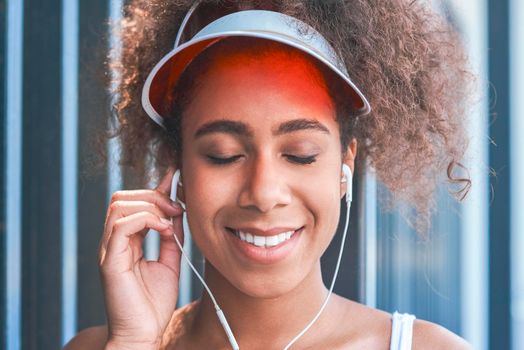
(260, 124)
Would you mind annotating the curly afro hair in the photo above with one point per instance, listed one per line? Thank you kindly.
(405, 58)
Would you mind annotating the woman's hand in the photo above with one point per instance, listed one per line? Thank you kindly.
(140, 295)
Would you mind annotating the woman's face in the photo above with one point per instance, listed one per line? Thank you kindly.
(262, 158)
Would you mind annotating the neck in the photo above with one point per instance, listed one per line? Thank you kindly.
(256, 322)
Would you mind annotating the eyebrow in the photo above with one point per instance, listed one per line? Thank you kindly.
(241, 129)
(301, 124)
(224, 126)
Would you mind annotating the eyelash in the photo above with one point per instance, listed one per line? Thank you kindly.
(302, 160)
(294, 159)
(222, 161)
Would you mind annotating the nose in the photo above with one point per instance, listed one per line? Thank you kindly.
(265, 187)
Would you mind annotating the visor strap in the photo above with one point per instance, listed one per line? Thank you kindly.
(184, 23)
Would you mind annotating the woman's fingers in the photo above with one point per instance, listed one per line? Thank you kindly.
(152, 196)
(169, 254)
(132, 213)
(165, 184)
(157, 198)
(129, 202)
(123, 231)
(120, 209)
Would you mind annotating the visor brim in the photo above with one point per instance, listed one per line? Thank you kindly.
(163, 78)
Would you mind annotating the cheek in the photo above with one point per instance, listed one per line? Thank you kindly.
(326, 210)
(206, 195)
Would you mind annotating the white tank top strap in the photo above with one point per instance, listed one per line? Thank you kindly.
(401, 331)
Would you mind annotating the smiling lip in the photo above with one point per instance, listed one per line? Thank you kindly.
(264, 255)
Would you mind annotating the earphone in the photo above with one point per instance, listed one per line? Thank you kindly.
(347, 178)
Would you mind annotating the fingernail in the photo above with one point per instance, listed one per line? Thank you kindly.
(176, 205)
(165, 221)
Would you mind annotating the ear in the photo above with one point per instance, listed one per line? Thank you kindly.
(349, 160)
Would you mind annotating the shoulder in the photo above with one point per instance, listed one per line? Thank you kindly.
(91, 338)
(428, 335)
(365, 327)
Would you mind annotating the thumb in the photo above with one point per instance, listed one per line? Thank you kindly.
(165, 184)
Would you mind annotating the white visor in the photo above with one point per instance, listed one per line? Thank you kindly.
(262, 24)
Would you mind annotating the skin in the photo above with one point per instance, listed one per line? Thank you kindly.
(262, 185)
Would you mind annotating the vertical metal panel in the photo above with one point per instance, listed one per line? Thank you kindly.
(418, 275)
(92, 181)
(151, 244)
(3, 170)
(114, 147)
(198, 262)
(13, 141)
(517, 174)
(369, 237)
(41, 190)
(499, 216)
(471, 16)
(186, 273)
(69, 166)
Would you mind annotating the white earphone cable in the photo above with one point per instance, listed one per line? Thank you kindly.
(220, 313)
(196, 272)
(332, 282)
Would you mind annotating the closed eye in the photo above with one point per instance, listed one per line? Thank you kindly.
(290, 157)
(221, 161)
(301, 160)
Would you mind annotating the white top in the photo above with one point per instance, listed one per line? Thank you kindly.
(401, 331)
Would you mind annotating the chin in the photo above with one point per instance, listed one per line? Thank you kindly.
(266, 285)
(264, 289)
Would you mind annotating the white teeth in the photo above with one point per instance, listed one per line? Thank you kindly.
(259, 241)
(272, 241)
(263, 241)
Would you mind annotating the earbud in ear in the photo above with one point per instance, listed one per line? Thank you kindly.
(348, 178)
(174, 185)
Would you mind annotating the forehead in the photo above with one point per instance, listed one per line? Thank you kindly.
(260, 87)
